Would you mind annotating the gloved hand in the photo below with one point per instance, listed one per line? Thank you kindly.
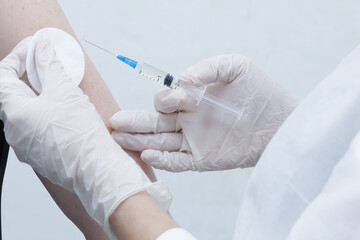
(60, 134)
(181, 136)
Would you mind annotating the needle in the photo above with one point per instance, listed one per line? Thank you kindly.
(100, 47)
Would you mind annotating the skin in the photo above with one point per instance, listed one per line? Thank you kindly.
(22, 18)
(139, 217)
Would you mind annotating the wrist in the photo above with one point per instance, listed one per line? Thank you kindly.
(140, 217)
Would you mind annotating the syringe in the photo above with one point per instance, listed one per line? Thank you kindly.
(162, 77)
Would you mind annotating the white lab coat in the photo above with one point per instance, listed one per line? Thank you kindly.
(307, 182)
(306, 185)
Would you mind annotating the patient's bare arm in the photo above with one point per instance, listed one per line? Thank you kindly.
(22, 18)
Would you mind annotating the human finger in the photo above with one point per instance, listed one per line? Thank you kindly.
(141, 142)
(174, 100)
(140, 121)
(169, 161)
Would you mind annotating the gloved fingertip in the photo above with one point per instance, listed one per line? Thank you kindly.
(118, 121)
(150, 156)
(22, 46)
(117, 137)
(112, 119)
(14, 64)
(162, 94)
(170, 101)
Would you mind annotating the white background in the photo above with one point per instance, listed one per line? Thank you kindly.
(297, 42)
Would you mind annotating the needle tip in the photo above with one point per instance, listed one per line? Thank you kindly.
(99, 47)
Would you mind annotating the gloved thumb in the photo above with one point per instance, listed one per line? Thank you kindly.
(49, 68)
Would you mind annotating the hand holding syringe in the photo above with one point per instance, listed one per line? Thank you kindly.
(157, 75)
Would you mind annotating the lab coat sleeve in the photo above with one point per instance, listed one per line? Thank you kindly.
(176, 234)
(335, 213)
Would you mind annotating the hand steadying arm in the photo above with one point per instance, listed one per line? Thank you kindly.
(22, 18)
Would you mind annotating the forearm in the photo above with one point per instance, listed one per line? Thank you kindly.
(22, 18)
(139, 217)
(74, 210)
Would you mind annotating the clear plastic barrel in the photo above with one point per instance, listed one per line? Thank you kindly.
(151, 72)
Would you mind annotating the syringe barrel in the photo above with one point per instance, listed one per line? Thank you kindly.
(155, 74)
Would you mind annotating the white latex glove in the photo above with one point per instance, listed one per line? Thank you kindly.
(60, 135)
(181, 137)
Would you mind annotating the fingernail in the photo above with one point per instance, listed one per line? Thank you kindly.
(117, 122)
